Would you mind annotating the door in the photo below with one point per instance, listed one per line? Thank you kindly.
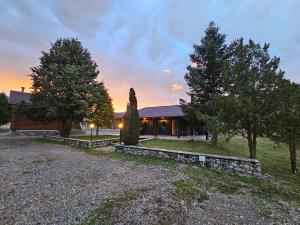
(173, 127)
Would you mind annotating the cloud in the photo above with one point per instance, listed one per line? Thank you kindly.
(82, 16)
(176, 87)
(167, 71)
(14, 82)
(133, 42)
(126, 86)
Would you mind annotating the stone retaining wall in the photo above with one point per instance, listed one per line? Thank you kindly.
(84, 143)
(234, 164)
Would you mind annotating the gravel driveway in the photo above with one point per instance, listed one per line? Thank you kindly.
(56, 184)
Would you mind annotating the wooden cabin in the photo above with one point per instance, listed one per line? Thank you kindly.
(16, 97)
(164, 120)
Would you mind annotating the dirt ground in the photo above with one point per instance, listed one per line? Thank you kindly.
(57, 184)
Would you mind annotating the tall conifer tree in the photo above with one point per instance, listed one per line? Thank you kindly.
(204, 78)
(252, 77)
(131, 123)
(284, 120)
(64, 84)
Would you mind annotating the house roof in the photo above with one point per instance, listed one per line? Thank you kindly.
(161, 111)
(157, 111)
(17, 96)
(119, 115)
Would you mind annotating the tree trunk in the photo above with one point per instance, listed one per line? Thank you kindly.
(251, 136)
(206, 136)
(65, 128)
(214, 138)
(97, 131)
(293, 156)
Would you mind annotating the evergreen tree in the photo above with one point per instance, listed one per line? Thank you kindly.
(284, 122)
(63, 84)
(204, 78)
(131, 123)
(102, 113)
(5, 112)
(252, 77)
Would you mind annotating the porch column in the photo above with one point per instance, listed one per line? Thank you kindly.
(154, 126)
(178, 128)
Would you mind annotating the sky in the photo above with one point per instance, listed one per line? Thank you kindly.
(144, 44)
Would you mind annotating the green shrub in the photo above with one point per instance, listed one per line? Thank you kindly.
(131, 123)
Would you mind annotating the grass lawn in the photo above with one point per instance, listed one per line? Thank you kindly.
(100, 137)
(273, 157)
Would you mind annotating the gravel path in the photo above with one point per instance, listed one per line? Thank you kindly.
(53, 184)
(56, 184)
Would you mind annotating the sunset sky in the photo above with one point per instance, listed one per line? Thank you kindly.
(140, 44)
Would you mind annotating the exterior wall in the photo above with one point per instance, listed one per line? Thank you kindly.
(117, 121)
(157, 126)
(164, 126)
(234, 164)
(25, 124)
(169, 126)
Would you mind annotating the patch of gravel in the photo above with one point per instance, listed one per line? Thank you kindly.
(57, 184)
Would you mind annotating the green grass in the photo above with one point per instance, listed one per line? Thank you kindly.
(148, 160)
(95, 138)
(273, 157)
(263, 191)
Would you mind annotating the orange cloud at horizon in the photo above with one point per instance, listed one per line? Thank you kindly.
(118, 92)
(11, 81)
(146, 96)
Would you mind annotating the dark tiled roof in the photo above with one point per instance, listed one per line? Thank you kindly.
(157, 111)
(16, 96)
(161, 111)
(119, 115)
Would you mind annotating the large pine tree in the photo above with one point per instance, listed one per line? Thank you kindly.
(204, 78)
(284, 119)
(252, 77)
(64, 84)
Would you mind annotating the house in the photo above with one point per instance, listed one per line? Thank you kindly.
(23, 123)
(164, 120)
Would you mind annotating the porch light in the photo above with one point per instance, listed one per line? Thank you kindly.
(120, 125)
(91, 126)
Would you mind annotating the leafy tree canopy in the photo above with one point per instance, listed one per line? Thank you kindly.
(284, 120)
(64, 84)
(5, 112)
(102, 113)
(251, 78)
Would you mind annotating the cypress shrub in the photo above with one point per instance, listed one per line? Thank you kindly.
(131, 121)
